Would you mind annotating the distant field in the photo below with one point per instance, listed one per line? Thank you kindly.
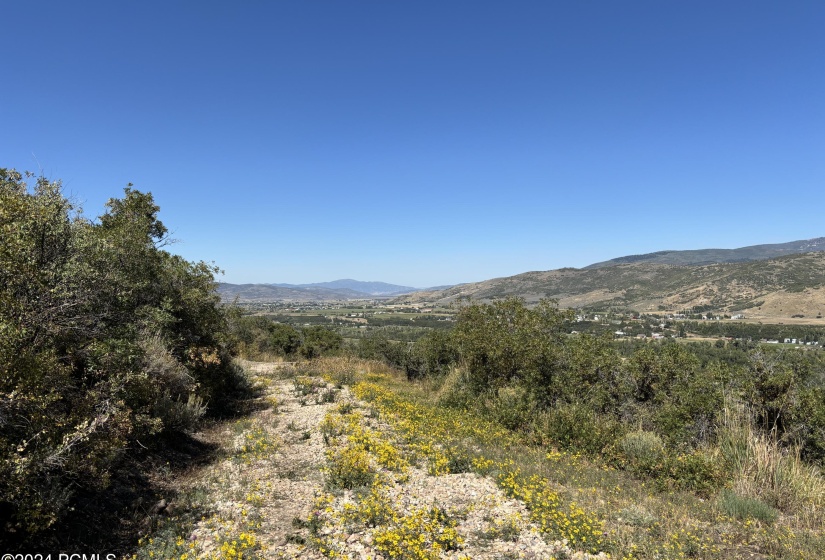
(785, 321)
(408, 323)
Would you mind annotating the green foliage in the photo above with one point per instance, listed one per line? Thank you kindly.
(378, 346)
(258, 337)
(511, 407)
(261, 338)
(589, 370)
(578, 392)
(432, 355)
(523, 365)
(284, 339)
(675, 394)
(349, 468)
(327, 396)
(577, 427)
(806, 417)
(742, 507)
(505, 342)
(454, 391)
(104, 338)
(644, 450)
(697, 470)
(756, 331)
(318, 341)
(773, 384)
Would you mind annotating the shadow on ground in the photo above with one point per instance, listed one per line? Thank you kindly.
(143, 488)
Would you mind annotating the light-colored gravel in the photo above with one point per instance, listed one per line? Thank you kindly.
(491, 525)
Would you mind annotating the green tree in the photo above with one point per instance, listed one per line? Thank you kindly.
(319, 340)
(432, 355)
(505, 342)
(284, 339)
(104, 338)
(590, 370)
(378, 346)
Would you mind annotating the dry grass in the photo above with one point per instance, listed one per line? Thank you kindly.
(342, 370)
(646, 286)
(765, 470)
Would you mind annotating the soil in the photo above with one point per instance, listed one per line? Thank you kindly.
(491, 525)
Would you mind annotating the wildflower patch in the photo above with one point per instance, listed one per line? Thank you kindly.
(442, 436)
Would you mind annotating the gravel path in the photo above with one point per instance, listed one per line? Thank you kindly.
(491, 525)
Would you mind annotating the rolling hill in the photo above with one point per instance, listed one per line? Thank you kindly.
(773, 281)
(710, 256)
(771, 289)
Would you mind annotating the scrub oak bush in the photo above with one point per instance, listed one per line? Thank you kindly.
(104, 338)
(260, 338)
(653, 408)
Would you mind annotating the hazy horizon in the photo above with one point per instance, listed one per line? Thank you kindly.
(402, 284)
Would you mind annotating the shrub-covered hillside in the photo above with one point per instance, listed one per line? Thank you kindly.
(720, 446)
(106, 340)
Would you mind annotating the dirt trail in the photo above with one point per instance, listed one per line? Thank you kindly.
(265, 494)
(293, 475)
(268, 476)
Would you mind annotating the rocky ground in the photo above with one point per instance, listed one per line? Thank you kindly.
(284, 489)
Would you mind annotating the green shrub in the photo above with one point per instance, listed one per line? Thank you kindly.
(179, 415)
(742, 507)
(576, 427)
(455, 392)
(643, 450)
(511, 408)
(431, 356)
(505, 342)
(319, 341)
(459, 459)
(104, 338)
(698, 470)
(326, 396)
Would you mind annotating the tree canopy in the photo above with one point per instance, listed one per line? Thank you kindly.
(105, 338)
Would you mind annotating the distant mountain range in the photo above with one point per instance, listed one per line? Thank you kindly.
(337, 290)
(765, 281)
(369, 288)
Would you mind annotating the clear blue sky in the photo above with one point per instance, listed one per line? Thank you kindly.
(425, 143)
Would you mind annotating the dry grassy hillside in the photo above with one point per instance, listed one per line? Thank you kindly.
(773, 289)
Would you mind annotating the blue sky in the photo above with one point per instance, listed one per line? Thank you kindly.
(425, 143)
